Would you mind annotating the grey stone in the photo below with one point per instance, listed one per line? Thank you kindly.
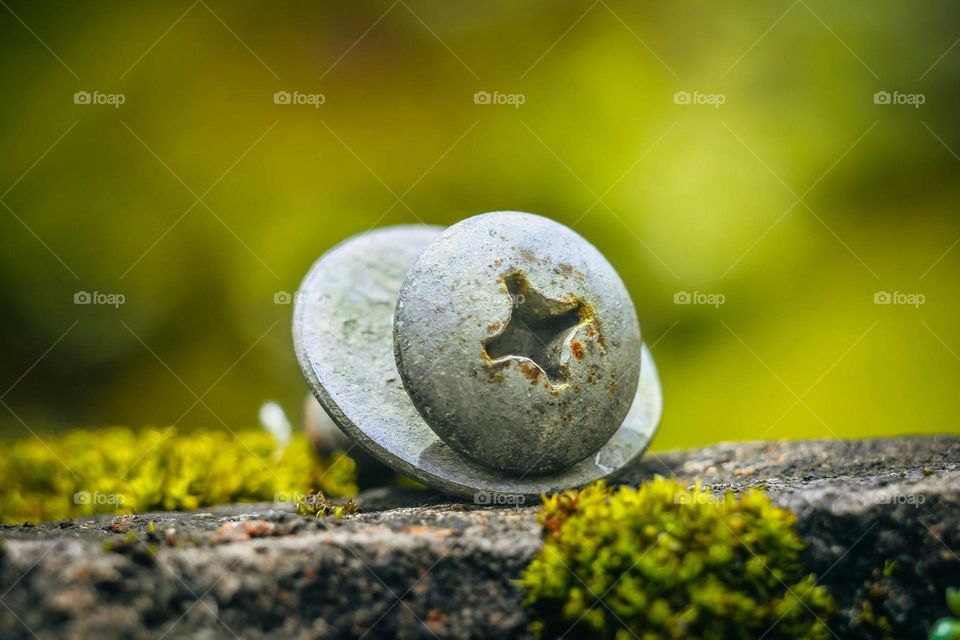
(343, 334)
(414, 564)
(517, 342)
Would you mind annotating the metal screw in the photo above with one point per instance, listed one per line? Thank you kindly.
(518, 346)
(517, 343)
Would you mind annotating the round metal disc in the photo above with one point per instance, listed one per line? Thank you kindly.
(343, 335)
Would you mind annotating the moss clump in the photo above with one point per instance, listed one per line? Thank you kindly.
(870, 617)
(316, 504)
(948, 628)
(664, 562)
(140, 549)
(119, 470)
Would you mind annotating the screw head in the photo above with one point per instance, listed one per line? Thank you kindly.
(517, 342)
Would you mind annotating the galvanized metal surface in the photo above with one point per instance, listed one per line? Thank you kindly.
(343, 335)
(517, 342)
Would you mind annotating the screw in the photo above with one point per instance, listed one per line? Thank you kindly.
(517, 342)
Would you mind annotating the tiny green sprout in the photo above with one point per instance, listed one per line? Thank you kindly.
(152, 528)
(662, 561)
(889, 566)
(316, 504)
(953, 600)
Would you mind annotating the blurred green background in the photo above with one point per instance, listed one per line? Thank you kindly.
(797, 199)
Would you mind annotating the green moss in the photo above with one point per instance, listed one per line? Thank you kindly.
(953, 601)
(948, 628)
(664, 562)
(316, 504)
(889, 566)
(119, 470)
(870, 619)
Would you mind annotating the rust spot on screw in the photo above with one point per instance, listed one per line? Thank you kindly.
(532, 372)
(576, 348)
(495, 375)
(526, 254)
(589, 316)
(592, 374)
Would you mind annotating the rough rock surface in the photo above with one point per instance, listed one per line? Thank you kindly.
(881, 519)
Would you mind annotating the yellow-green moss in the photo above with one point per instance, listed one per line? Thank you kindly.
(119, 470)
(316, 504)
(664, 562)
(948, 628)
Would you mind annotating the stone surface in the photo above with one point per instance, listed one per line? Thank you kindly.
(517, 342)
(343, 333)
(416, 564)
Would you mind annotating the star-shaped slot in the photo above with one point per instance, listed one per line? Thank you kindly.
(537, 330)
